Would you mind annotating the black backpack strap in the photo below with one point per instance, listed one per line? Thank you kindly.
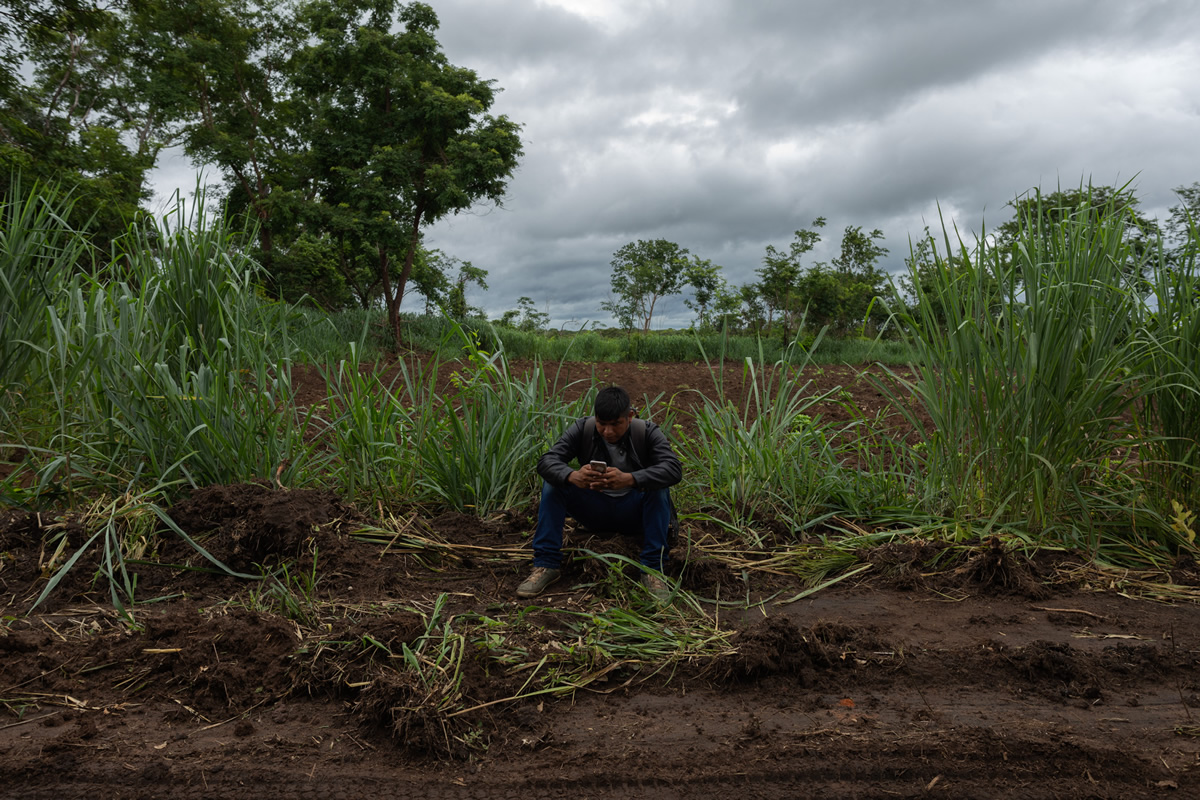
(637, 432)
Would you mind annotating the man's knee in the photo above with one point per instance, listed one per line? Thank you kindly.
(657, 498)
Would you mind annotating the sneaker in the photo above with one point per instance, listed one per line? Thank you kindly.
(538, 580)
(658, 588)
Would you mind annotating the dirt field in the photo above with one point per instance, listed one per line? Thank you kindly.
(992, 677)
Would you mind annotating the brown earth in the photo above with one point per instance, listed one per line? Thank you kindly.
(936, 672)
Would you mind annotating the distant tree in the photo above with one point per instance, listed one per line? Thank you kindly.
(726, 313)
(525, 317)
(1183, 223)
(456, 301)
(707, 285)
(779, 277)
(861, 281)
(431, 278)
(1042, 214)
(751, 309)
(643, 272)
(860, 253)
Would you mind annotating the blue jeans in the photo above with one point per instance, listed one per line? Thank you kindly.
(645, 512)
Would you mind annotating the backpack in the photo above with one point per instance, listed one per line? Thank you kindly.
(637, 435)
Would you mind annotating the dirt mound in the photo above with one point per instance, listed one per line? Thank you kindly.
(777, 646)
(248, 524)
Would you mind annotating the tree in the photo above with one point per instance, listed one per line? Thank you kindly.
(525, 317)
(707, 285)
(456, 304)
(1043, 214)
(398, 136)
(643, 272)
(24, 23)
(860, 253)
(751, 309)
(67, 120)
(778, 278)
(1183, 224)
(860, 280)
(331, 121)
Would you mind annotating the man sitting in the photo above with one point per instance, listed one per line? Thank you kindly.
(623, 484)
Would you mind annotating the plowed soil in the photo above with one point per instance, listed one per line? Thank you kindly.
(978, 675)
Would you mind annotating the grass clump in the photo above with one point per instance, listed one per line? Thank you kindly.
(1031, 379)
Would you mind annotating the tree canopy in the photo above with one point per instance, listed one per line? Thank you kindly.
(338, 128)
(644, 272)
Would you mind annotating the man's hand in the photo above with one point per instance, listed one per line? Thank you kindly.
(611, 478)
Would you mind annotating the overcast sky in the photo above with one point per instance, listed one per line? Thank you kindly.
(726, 125)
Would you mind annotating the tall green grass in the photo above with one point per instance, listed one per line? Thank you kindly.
(1030, 390)
(167, 365)
(38, 255)
(478, 445)
(1169, 408)
(769, 461)
(371, 427)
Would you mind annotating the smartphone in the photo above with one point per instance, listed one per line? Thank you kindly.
(599, 466)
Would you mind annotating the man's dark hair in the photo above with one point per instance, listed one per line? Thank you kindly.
(612, 403)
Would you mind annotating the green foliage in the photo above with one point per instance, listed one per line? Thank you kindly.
(643, 272)
(476, 445)
(370, 428)
(38, 253)
(1042, 215)
(710, 292)
(165, 364)
(525, 317)
(840, 296)
(779, 275)
(1029, 396)
(456, 302)
(657, 346)
(1170, 410)
(766, 460)
(71, 115)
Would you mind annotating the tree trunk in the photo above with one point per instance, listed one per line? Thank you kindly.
(390, 300)
(405, 272)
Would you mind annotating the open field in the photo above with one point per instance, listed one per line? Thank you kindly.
(385, 659)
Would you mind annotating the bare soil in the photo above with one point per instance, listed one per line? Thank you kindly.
(983, 676)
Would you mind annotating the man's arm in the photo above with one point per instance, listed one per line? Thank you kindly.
(554, 466)
(662, 468)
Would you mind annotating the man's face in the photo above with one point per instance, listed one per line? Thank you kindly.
(611, 430)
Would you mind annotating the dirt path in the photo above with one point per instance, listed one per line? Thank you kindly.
(907, 683)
